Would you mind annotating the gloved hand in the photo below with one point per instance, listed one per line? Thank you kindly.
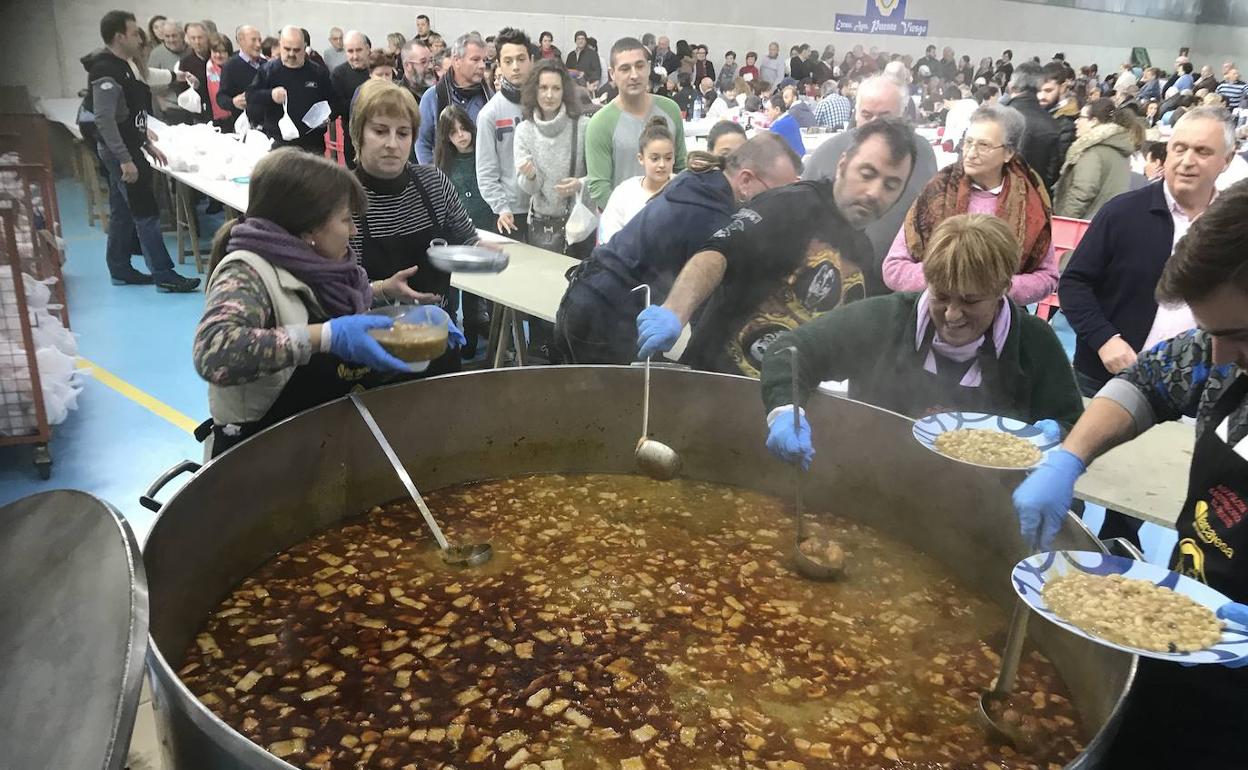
(454, 337)
(657, 331)
(1043, 498)
(1236, 613)
(349, 340)
(787, 445)
(1050, 429)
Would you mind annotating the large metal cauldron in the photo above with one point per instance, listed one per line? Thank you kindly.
(307, 473)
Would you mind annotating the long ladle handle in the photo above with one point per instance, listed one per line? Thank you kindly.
(797, 431)
(645, 393)
(399, 470)
(1014, 639)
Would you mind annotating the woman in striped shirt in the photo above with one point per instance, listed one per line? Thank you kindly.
(409, 205)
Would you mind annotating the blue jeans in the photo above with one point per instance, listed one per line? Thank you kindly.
(126, 224)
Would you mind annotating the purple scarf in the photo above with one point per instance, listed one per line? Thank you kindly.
(341, 287)
(974, 377)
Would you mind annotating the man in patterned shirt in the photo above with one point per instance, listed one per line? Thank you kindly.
(1181, 717)
(833, 110)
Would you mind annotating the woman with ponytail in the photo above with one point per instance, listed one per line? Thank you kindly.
(285, 326)
(1098, 164)
(596, 322)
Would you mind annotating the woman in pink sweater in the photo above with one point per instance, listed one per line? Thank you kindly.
(991, 179)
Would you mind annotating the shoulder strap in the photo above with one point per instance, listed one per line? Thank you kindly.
(576, 126)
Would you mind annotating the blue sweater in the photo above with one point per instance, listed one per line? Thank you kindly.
(1107, 288)
(655, 245)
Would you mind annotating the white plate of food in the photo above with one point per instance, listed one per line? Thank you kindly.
(985, 440)
(1130, 605)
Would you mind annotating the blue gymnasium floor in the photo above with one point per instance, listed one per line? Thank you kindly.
(134, 419)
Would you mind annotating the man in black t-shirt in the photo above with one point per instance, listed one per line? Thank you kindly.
(790, 255)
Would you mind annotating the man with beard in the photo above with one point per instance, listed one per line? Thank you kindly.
(792, 254)
(417, 69)
(290, 84)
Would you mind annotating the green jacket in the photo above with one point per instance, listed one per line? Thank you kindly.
(1097, 168)
(871, 344)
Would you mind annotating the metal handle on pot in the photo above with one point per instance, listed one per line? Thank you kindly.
(148, 500)
(1120, 546)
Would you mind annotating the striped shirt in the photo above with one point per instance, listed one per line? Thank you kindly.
(404, 213)
(1233, 92)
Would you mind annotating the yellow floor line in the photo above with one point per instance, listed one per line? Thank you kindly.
(148, 402)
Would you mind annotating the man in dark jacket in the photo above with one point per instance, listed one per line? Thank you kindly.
(1051, 97)
(289, 84)
(119, 103)
(238, 72)
(195, 64)
(1107, 290)
(585, 60)
(595, 323)
(1041, 141)
(345, 78)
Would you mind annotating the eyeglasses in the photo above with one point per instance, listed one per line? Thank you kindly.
(980, 148)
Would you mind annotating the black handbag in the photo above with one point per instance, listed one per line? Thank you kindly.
(547, 232)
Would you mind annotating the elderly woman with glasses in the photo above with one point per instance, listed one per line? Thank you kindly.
(992, 179)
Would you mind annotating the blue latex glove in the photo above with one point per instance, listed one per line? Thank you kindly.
(1043, 498)
(454, 337)
(789, 446)
(657, 331)
(1236, 613)
(1050, 429)
(349, 340)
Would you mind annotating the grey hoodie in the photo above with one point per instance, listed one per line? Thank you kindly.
(496, 164)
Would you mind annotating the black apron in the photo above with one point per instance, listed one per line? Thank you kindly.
(1197, 717)
(323, 378)
(925, 393)
(382, 257)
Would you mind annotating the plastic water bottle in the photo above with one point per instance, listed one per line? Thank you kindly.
(697, 108)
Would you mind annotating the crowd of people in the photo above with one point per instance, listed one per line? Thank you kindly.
(879, 267)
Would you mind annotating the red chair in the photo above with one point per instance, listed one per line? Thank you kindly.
(1067, 233)
(334, 142)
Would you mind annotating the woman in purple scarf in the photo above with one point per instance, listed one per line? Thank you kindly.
(959, 346)
(284, 328)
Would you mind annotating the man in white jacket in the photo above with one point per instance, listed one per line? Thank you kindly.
(496, 134)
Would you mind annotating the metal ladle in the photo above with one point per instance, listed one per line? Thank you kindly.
(654, 458)
(455, 555)
(809, 568)
(998, 729)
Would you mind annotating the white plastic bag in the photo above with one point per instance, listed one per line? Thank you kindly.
(582, 223)
(242, 125)
(290, 132)
(317, 114)
(189, 101)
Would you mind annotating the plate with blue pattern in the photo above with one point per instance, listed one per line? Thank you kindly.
(927, 429)
(1031, 574)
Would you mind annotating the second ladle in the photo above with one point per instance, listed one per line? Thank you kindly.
(997, 727)
(455, 555)
(655, 459)
(807, 567)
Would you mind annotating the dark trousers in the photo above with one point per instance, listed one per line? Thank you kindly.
(134, 216)
(1117, 524)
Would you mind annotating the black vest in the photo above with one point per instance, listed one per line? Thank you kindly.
(132, 120)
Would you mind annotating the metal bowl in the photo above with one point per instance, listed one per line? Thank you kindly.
(467, 259)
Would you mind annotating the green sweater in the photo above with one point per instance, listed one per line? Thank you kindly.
(464, 176)
(871, 344)
(611, 145)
